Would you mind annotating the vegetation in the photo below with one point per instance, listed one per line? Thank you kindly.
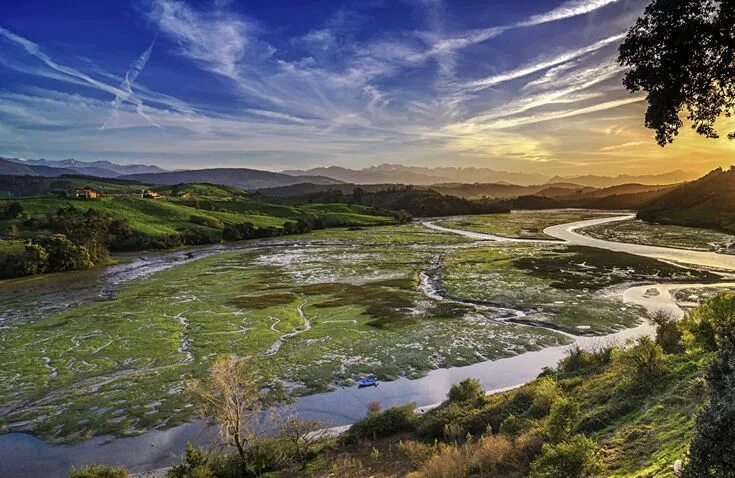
(682, 54)
(596, 414)
(64, 234)
(708, 202)
(414, 201)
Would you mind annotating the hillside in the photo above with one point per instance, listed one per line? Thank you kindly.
(185, 214)
(416, 201)
(9, 167)
(707, 202)
(248, 179)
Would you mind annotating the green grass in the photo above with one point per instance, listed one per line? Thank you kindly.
(171, 215)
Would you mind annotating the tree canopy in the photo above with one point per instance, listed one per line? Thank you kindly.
(682, 54)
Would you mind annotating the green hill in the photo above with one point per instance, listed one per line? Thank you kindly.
(707, 202)
(121, 219)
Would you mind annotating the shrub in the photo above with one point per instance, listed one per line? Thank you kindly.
(98, 471)
(494, 456)
(545, 392)
(577, 457)
(563, 419)
(511, 425)
(415, 452)
(467, 389)
(12, 210)
(207, 221)
(711, 323)
(668, 335)
(388, 422)
(433, 423)
(647, 359)
(194, 464)
(579, 359)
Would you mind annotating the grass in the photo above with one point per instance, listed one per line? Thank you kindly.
(171, 215)
(519, 224)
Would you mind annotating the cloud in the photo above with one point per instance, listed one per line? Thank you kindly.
(541, 64)
(215, 38)
(569, 9)
(127, 87)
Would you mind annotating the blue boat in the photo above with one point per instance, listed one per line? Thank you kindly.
(368, 381)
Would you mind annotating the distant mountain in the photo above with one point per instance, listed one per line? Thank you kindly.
(625, 196)
(15, 168)
(248, 179)
(672, 177)
(467, 191)
(707, 202)
(396, 173)
(102, 169)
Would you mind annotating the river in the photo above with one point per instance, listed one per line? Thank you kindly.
(27, 456)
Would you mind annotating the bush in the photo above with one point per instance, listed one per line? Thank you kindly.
(98, 471)
(511, 425)
(563, 419)
(207, 221)
(12, 210)
(710, 324)
(467, 389)
(577, 457)
(668, 335)
(579, 359)
(647, 359)
(545, 392)
(382, 424)
(194, 464)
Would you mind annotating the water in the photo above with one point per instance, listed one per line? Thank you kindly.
(27, 456)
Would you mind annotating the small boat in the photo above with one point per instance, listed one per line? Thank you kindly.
(367, 382)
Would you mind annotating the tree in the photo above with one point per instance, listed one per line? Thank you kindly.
(712, 451)
(577, 457)
(682, 53)
(232, 398)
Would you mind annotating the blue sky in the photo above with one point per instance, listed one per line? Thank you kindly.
(512, 85)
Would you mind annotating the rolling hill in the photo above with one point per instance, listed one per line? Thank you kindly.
(707, 202)
(248, 179)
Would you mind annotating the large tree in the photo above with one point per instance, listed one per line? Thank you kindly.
(682, 53)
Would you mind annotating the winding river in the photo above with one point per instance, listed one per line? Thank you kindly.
(24, 455)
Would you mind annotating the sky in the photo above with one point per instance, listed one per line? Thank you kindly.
(526, 86)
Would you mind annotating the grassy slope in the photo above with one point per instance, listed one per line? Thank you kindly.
(640, 433)
(172, 214)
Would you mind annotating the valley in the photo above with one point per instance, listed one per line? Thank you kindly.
(317, 311)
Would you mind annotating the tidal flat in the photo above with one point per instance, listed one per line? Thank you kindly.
(315, 311)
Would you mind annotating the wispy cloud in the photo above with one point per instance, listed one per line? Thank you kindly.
(541, 64)
(127, 87)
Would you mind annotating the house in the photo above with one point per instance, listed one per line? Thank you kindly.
(148, 194)
(86, 193)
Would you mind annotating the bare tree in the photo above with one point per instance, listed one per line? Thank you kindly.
(232, 398)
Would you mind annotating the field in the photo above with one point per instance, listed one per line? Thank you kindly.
(639, 232)
(173, 214)
(108, 352)
(519, 224)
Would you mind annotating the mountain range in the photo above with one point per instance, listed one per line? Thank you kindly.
(248, 179)
(421, 176)
(52, 168)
